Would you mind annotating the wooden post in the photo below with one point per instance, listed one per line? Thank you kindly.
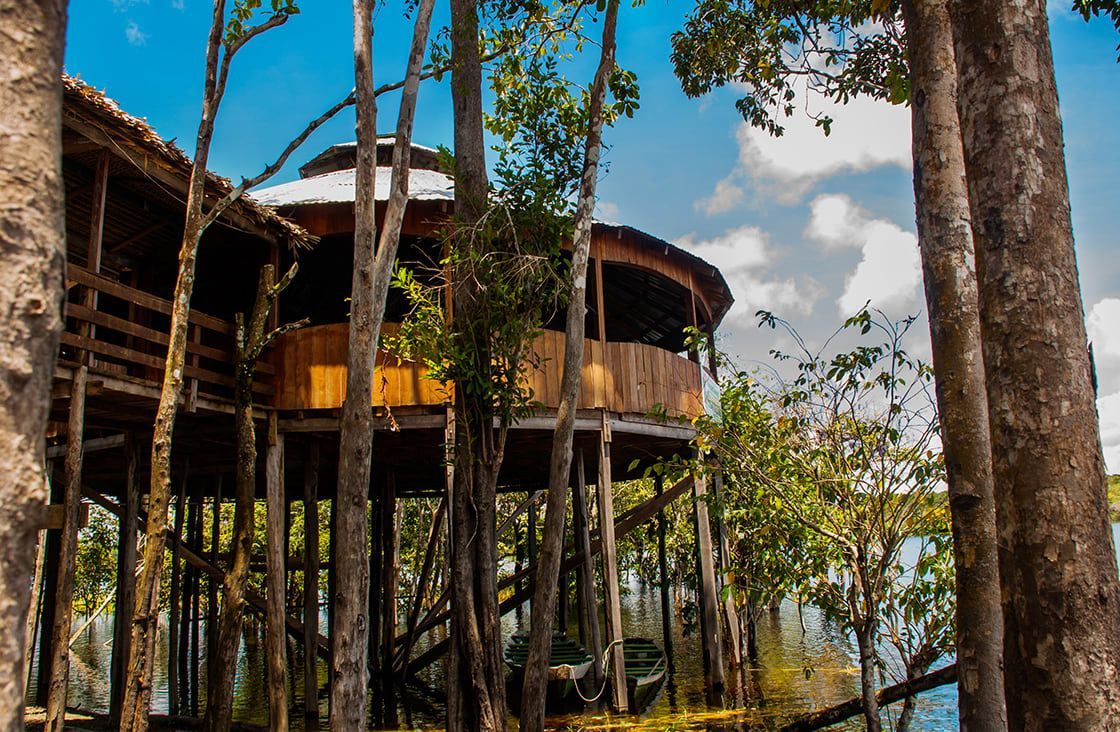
(599, 294)
(187, 595)
(51, 573)
(213, 583)
(610, 570)
(376, 554)
(276, 648)
(196, 610)
(68, 547)
(390, 567)
(531, 534)
(663, 575)
(590, 635)
(706, 582)
(311, 581)
(173, 610)
(128, 526)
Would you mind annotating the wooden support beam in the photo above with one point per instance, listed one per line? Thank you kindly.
(310, 580)
(128, 528)
(623, 526)
(276, 648)
(706, 584)
(133, 238)
(51, 572)
(213, 584)
(59, 660)
(590, 635)
(390, 567)
(434, 532)
(97, 444)
(253, 599)
(176, 591)
(663, 576)
(610, 571)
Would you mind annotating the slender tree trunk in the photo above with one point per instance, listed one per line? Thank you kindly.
(1061, 594)
(865, 639)
(32, 243)
(350, 635)
(137, 699)
(560, 464)
(941, 198)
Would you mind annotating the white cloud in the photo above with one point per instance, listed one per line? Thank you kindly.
(1108, 407)
(122, 5)
(889, 273)
(745, 256)
(135, 36)
(606, 211)
(1103, 325)
(178, 4)
(726, 196)
(865, 134)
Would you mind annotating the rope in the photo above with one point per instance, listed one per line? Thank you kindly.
(606, 670)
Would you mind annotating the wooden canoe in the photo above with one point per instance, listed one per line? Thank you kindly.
(568, 660)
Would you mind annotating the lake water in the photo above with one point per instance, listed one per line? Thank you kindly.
(774, 689)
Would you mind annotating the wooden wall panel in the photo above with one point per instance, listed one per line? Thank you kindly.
(621, 377)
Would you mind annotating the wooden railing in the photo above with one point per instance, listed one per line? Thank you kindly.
(621, 377)
(125, 334)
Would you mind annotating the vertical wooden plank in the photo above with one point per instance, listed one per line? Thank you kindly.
(600, 286)
(610, 570)
(49, 603)
(709, 603)
(663, 576)
(213, 583)
(176, 591)
(590, 635)
(276, 648)
(311, 581)
(390, 566)
(126, 580)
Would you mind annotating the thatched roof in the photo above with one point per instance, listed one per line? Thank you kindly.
(100, 119)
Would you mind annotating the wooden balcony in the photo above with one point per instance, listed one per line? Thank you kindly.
(125, 334)
(619, 377)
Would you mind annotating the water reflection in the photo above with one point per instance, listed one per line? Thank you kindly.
(794, 671)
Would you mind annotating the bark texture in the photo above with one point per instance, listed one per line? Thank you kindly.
(560, 464)
(32, 246)
(275, 643)
(949, 274)
(1061, 595)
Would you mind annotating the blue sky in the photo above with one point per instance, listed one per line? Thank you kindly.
(801, 225)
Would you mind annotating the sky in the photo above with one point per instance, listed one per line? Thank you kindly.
(805, 226)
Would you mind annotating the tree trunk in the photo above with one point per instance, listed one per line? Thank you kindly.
(32, 239)
(475, 676)
(350, 634)
(1061, 594)
(560, 464)
(941, 201)
(865, 639)
(137, 699)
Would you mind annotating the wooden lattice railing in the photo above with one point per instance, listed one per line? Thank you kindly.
(125, 334)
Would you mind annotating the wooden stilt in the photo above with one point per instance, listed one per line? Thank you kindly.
(51, 573)
(610, 571)
(311, 581)
(128, 526)
(276, 647)
(174, 609)
(422, 583)
(332, 579)
(213, 584)
(390, 565)
(663, 576)
(590, 635)
(31, 627)
(187, 596)
(706, 582)
(196, 611)
(64, 595)
(376, 557)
